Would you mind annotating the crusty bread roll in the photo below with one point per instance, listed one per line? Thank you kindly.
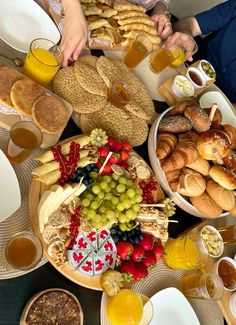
(174, 124)
(231, 132)
(181, 106)
(215, 116)
(224, 198)
(198, 118)
(206, 205)
(230, 161)
(188, 136)
(223, 176)
(191, 183)
(200, 165)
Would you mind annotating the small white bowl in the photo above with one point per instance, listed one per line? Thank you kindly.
(215, 231)
(182, 92)
(216, 266)
(196, 77)
(232, 304)
(201, 62)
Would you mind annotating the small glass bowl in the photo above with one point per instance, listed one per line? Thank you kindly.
(23, 251)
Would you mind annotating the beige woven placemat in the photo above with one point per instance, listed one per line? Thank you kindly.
(19, 220)
(162, 277)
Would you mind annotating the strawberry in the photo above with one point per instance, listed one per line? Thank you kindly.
(115, 158)
(124, 164)
(106, 170)
(126, 146)
(111, 141)
(124, 250)
(158, 250)
(127, 269)
(138, 253)
(99, 164)
(149, 260)
(140, 271)
(124, 155)
(103, 151)
(147, 242)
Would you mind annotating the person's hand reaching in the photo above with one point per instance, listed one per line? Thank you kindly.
(163, 24)
(75, 32)
(186, 41)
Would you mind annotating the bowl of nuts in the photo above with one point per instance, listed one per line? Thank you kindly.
(212, 240)
(207, 69)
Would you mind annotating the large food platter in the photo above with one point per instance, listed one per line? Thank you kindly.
(35, 193)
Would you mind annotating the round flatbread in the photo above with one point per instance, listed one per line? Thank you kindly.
(111, 119)
(8, 77)
(139, 131)
(24, 93)
(49, 114)
(65, 84)
(88, 77)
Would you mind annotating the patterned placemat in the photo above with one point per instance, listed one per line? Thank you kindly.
(162, 277)
(19, 220)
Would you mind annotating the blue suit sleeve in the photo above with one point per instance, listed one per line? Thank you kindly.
(216, 17)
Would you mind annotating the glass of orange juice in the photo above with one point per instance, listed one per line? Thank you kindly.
(186, 253)
(42, 60)
(138, 51)
(128, 307)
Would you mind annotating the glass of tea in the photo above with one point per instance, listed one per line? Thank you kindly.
(202, 286)
(43, 60)
(24, 138)
(118, 94)
(163, 57)
(138, 51)
(23, 251)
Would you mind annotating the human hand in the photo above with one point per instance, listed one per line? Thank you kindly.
(74, 36)
(163, 25)
(186, 41)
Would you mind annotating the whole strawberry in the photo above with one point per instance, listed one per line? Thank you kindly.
(128, 269)
(147, 242)
(149, 260)
(140, 271)
(126, 146)
(103, 152)
(158, 250)
(138, 253)
(124, 250)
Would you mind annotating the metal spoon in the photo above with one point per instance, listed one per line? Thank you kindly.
(18, 62)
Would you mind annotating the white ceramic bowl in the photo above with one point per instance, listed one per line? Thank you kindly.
(215, 231)
(199, 75)
(207, 77)
(216, 266)
(232, 304)
(179, 91)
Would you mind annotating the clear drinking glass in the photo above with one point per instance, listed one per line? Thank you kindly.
(43, 60)
(228, 234)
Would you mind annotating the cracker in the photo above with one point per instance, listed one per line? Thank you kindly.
(49, 114)
(122, 5)
(139, 131)
(135, 20)
(65, 84)
(134, 33)
(128, 14)
(139, 26)
(88, 76)
(24, 93)
(112, 119)
(8, 77)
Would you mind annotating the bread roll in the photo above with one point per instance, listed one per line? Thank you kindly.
(181, 106)
(230, 161)
(188, 136)
(198, 118)
(200, 165)
(223, 176)
(233, 211)
(174, 124)
(231, 132)
(191, 183)
(206, 205)
(216, 117)
(224, 198)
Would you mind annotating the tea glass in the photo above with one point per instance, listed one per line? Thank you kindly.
(128, 307)
(23, 251)
(138, 51)
(207, 286)
(24, 138)
(118, 94)
(43, 60)
(186, 253)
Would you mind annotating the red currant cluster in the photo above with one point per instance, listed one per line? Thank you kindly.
(67, 166)
(75, 223)
(148, 188)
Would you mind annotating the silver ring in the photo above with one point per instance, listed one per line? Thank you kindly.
(167, 24)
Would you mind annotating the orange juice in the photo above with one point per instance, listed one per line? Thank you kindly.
(125, 308)
(41, 65)
(181, 253)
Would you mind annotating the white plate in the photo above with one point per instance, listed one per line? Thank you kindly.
(180, 200)
(10, 197)
(171, 307)
(227, 109)
(24, 20)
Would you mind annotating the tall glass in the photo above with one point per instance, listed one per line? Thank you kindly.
(138, 50)
(43, 60)
(186, 253)
(163, 57)
(228, 234)
(202, 286)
